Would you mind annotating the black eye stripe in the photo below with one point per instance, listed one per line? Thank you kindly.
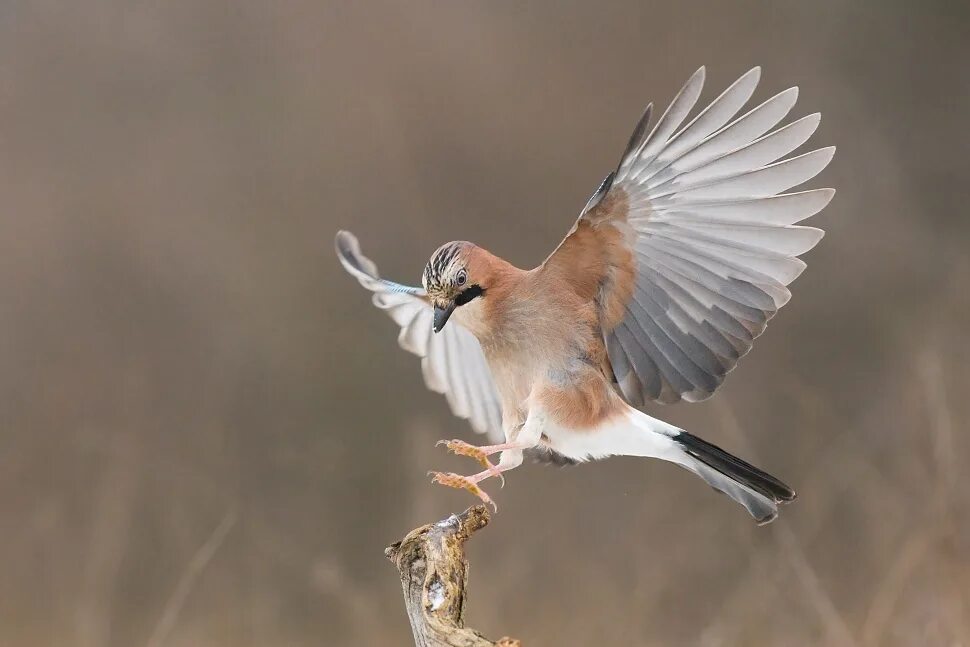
(469, 294)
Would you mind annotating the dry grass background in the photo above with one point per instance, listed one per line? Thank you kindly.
(207, 435)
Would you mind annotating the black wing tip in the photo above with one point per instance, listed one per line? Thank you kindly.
(605, 185)
(639, 134)
(600, 192)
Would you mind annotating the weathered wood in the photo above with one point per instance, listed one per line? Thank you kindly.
(434, 574)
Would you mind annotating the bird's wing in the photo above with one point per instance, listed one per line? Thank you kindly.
(689, 244)
(452, 361)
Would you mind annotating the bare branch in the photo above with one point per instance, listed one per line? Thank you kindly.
(434, 574)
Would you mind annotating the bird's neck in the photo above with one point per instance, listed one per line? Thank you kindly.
(487, 315)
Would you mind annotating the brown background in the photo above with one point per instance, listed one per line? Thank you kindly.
(208, 435)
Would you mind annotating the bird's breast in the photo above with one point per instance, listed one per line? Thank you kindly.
(542, 341)
(566, 381)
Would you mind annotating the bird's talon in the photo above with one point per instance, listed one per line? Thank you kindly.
(495, 472)
(457, 481)
(461, 448)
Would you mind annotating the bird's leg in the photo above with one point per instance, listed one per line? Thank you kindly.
(470, 483)
(481, 454)
(511, 458)
(525, 437)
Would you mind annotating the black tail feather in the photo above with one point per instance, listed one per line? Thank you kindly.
(735, 468)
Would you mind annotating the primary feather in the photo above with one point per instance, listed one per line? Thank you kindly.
(711, 237)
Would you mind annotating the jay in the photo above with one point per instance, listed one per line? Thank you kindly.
(673, 268)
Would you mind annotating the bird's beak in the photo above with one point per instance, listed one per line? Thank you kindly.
(441, 315)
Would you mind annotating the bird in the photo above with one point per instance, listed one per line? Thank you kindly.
(671, 271)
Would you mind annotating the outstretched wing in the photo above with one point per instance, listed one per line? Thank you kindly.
(692, 240)
(452, 361)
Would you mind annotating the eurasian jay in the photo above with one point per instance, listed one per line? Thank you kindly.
(672, 270)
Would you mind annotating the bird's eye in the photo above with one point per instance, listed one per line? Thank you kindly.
(461, 278)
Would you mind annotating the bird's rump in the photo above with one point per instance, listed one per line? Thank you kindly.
(689, 245)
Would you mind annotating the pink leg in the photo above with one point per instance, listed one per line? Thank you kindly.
(494, 449)
(481, 454)
(469, 483)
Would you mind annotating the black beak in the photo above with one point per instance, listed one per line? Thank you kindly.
(441, 315)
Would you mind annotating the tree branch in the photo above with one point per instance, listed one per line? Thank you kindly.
(434, 573)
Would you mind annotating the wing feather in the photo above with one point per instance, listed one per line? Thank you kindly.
(779, 210)
(754, 155)
(452, 361)
(710, 234)
(740, 132)
(639, 158)
(709, 120)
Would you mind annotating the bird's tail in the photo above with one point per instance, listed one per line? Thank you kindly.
(637, 434)
(759, 492)
(753, 488)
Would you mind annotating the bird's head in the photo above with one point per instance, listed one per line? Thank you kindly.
(452, 278)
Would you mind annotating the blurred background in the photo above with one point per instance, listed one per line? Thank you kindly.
(208, 435)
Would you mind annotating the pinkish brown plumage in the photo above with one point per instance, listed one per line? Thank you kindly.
(672, 269)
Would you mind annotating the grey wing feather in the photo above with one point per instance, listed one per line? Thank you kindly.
(713, 237)
(452, 361)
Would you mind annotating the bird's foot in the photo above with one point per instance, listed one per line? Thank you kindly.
(480, 454)
(461, 448)
(470, 483)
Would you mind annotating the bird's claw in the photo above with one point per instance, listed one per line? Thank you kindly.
(461, 448)
(450, 479)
